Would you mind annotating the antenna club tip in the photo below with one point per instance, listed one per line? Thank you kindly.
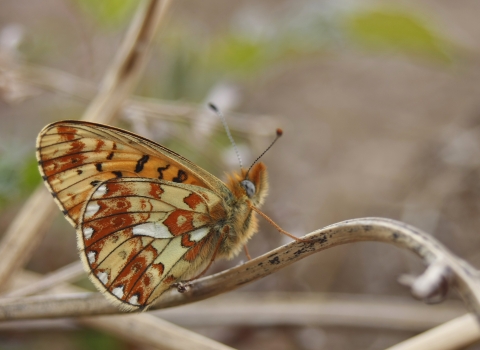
(279, 132)
(213, 107)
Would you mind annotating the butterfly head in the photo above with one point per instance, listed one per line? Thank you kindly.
(251, 185)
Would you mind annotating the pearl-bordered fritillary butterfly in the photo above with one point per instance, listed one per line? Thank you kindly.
(145, 216)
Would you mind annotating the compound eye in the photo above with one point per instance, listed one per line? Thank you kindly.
(249, 187)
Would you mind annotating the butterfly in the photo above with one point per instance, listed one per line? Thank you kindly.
(145, 216)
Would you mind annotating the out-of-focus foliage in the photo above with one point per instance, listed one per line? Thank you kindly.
(89, 339)
(108, 13)
(18, 174)
(30, 177)
(397, 30)
(9, 186)
(240, 54)
(197, 61)
(194, 61)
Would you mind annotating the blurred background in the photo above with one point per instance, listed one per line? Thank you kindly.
(379, 103)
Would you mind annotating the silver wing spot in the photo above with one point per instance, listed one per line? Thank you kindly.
(103, 277)
(152, 229)
(92, 209)
(134, 300)
(197, 235)
(92, 256)
(88, 232)
(101, 191)
(118, 292)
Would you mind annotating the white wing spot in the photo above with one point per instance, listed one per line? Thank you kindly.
(91, 210)
(92, 256)
(152, 229)
(103, 277)
(197, 235)
(181, 220)
(118, 292)
(101, 190)
(88, 232)
(134, 300)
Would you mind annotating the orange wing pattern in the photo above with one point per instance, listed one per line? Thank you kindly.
(143, 213)
(138, 236)
(74, 157)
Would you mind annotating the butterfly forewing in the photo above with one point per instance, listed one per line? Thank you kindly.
(138, 236)
(74, 157)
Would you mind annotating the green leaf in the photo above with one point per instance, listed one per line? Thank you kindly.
(93, 340)
(9, 175)
(240, 54)
(30, 176)
(397, 30)
(108, 13)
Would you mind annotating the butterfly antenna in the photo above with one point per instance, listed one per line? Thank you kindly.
(279, 133)
(224, 121)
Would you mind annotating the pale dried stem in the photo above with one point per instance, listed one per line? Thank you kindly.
(66, 274)
(59, 324)
(29, 226)
(273, 309)
(140, 329)
(62, 83)
(464, 277)
(151, 330)
(25, 233)
(120, 80)
(312, 309)
(455, 334)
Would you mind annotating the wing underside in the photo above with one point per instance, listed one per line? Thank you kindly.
(138, 236)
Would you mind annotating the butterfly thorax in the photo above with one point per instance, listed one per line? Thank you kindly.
(241, 222)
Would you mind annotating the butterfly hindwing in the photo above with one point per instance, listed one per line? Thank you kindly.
(137, 236)
(74, 157)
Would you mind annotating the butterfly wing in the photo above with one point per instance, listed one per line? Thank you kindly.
(75, 156)
(138, 236)
(143, 213)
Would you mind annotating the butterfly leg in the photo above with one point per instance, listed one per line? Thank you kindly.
(279, 229)
(245, 248)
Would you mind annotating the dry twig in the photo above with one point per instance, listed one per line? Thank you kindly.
(61, 83)
(455, 334)
(273, 309)
(66, 274)
(463, 276)
(141, 329)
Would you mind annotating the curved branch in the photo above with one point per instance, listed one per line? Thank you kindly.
(463, 276)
